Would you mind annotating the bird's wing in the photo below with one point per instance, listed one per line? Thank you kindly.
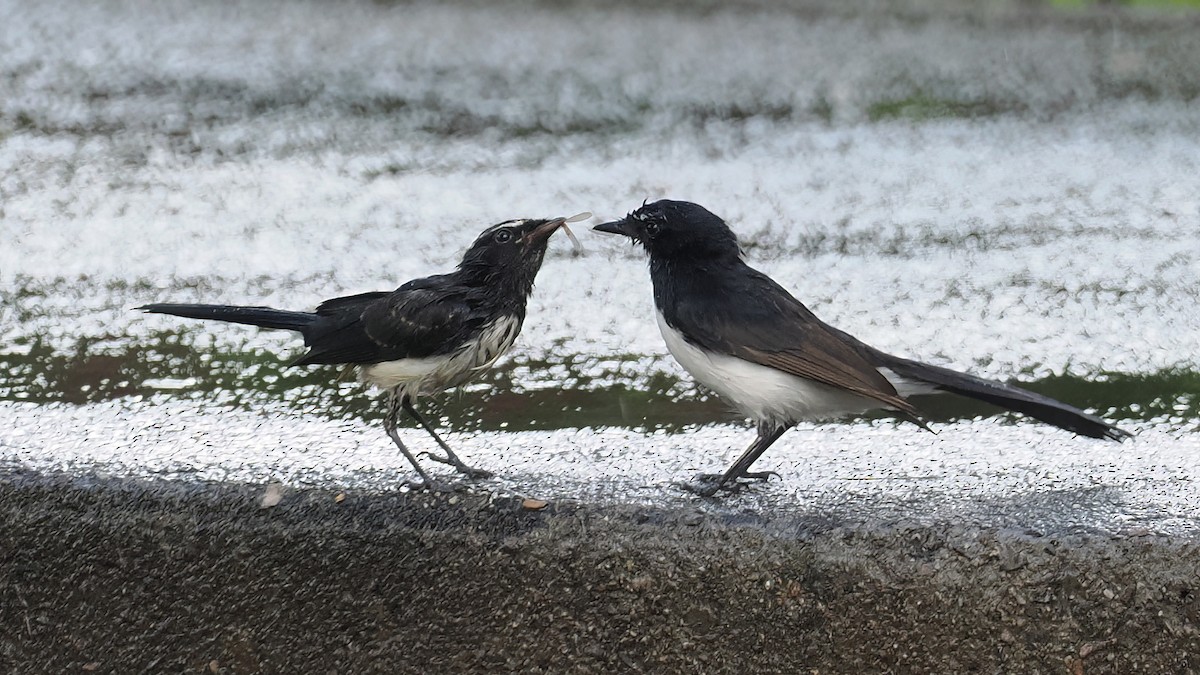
(335, 305)
(424, 317)
(761, 322)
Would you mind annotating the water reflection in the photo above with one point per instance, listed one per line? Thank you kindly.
(568, 394)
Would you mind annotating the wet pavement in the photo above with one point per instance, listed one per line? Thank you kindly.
(986, 473)
(1008, 190)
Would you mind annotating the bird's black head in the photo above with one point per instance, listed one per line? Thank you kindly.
(509, 255)
(670, 229)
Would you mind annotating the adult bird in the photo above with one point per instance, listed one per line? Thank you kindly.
(430, 334)
(745, 337)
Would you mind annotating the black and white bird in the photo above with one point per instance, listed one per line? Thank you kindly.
(428, 335)
(745, 337)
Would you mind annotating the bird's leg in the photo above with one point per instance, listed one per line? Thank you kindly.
(450, 458)
(707, 485)
(389, 425)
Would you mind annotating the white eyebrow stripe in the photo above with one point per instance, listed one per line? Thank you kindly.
(507, 223)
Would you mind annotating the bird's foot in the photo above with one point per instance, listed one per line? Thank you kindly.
(473, 473)
(431, 486)
(705, 489)
(419, 485)
(748, 475)
(468, 471)
(708, 484)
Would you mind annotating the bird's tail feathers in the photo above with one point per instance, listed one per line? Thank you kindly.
(1003, 395)
(263, 317)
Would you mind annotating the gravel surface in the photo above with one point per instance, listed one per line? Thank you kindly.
(154, 576)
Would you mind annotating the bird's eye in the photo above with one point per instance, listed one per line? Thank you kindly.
(651, 228)
(503, 236)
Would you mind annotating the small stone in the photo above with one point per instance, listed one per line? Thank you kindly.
(271, 496)
(1090, 648)
(534, 504)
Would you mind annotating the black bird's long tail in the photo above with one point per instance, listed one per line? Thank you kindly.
(999, 394)
(263, 317)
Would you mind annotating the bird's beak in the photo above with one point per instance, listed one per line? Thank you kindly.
(542, 232)
(615, 227)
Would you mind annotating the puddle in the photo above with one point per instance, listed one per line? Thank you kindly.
(517, 395)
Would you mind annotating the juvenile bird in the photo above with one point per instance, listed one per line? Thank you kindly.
(745, 337)
(430, 334)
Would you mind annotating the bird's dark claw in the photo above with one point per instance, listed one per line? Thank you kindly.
(708, 484)
(436, 458)
(468, 471)
(703, 488)
(473, 473)
(748, 475)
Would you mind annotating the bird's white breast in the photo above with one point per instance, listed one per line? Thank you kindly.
(761, 392)
(428, 375)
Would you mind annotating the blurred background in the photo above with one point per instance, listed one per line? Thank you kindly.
(1011, 188)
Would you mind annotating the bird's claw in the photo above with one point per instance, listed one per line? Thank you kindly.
(702, 488)
(473, 473)
(468, 471)
(748, 475)
(708, 484)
